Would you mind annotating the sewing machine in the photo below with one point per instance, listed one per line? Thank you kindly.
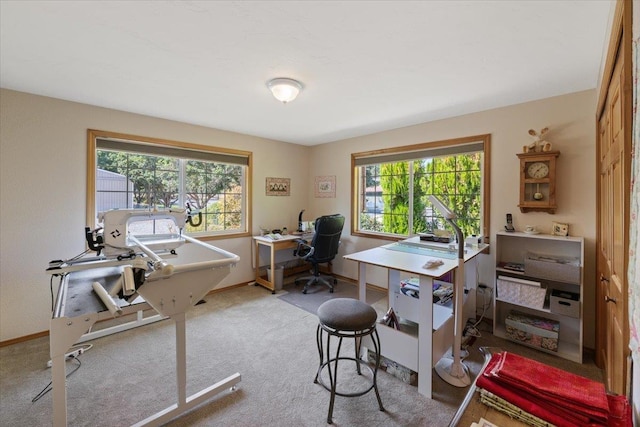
(169, 270)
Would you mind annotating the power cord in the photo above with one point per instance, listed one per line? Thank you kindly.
(48, 387)
(74, 353)
(472, 328)
(51, 289)
(70, 356)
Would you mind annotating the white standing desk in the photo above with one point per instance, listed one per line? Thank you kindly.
(414, 353)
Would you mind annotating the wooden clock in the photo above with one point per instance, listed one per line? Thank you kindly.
(538, 181)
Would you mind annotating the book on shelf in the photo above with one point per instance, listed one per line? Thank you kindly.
(513, 266)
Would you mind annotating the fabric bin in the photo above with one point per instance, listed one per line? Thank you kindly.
(532, 330)
(552, 267)
(565, 303)
(522, 292)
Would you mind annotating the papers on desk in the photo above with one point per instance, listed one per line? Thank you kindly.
(273, 236)
(433, 263)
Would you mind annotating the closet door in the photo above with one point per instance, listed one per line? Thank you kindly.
(613, 195)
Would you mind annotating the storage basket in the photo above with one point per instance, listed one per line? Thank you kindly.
(552, 267)
(565, 303)
(522, 292)
(533, 330)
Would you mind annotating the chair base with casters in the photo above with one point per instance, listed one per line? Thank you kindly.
(346, 318)
(316, 279)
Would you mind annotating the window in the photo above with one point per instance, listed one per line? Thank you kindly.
(392, 187)
(134, 172)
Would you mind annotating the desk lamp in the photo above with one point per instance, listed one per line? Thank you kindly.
(454, 371)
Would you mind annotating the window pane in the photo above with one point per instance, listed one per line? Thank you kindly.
(126, 180)
(386, 204)
(129, 179)
(215, 189)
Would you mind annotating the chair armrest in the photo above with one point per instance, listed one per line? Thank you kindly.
(303, 250)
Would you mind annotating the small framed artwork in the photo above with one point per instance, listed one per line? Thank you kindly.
(560, 229)
(325, 186)
(278, 186)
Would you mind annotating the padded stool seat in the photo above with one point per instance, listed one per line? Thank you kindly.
(346, 318)
(347, 314)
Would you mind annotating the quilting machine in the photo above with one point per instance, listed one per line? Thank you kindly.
(143, 260)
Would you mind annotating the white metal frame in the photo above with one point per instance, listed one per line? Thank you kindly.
(170, 296)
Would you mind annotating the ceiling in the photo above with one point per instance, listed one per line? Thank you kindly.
(366, 66)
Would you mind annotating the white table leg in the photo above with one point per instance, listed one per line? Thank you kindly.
(362, 281)
(425, 337)
(181, 356)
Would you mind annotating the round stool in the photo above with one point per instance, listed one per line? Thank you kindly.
(346, 318)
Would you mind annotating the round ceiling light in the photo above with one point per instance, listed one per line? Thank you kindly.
(284, 90)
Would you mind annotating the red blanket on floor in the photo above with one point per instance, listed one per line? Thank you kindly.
(557, 396)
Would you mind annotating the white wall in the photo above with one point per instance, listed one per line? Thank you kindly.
(572, 132)
(43, 174)
(42, 193)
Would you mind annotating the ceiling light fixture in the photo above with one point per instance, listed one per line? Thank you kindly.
(284, 90)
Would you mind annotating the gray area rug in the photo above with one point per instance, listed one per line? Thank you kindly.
(317, 295)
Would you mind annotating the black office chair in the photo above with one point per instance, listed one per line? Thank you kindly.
(323, 248)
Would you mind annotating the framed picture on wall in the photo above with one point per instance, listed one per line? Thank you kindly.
(325, 186)
(278, 186)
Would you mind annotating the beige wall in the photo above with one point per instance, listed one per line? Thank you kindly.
(42, 183)
(572, 132)
(43, 172)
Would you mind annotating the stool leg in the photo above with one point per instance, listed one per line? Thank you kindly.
(358, 346)
(376, 345)
(333, 379)
(319, 333)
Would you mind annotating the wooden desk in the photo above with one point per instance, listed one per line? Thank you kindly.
(416, 354)
(286, 242)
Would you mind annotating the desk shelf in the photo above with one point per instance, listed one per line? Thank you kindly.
(398, 346)
(401, 346)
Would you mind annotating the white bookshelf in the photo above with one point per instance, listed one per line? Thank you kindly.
(512, 249)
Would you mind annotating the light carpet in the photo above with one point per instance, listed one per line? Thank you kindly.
(129, 376)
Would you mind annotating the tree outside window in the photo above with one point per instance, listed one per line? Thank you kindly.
(172, 175)
(393, 196)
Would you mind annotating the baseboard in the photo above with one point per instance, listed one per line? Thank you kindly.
(24, 338)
